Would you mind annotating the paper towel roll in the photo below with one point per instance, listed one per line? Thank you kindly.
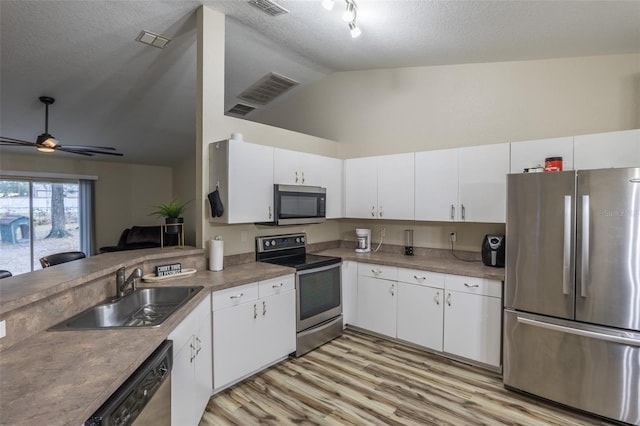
(216, 254)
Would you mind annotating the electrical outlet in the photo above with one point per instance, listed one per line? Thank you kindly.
(453, 237)
(3, 329)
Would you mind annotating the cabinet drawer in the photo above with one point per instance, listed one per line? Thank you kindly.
(234, 296)
(473, 285)
(378, 271)
(416, 276)
(276, 285)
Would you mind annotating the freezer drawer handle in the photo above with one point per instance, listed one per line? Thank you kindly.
(471, 285)
(634, 180)
(584, 333)
(566, 259)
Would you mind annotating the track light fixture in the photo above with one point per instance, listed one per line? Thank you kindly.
(350, 15)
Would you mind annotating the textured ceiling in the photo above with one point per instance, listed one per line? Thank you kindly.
(113, 91)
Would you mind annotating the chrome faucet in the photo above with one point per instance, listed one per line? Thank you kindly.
(122, 283)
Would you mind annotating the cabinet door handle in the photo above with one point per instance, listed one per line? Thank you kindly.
(277, 285)
(437, 298)
(393, 289)
(255, 311)
(453, 212)
(302, 177)
(471, 285)
(373, 211)
(199, 345)
(464, 212)
(270, 214)
(376, 271)
(193, 355)
(237, 296)
(380, 212)
(419, 278)
(449, 299)
(264, 308)
(296, 176)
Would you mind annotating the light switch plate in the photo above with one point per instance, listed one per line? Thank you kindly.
(3, 329)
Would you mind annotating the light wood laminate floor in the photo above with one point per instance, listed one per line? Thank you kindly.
(362, 380)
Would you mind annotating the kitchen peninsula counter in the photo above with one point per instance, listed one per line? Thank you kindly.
(62, 377)
(435, 261)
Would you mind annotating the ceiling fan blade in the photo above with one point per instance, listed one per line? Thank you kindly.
(5, 140)
(85, 150)
(88, 154)
(90, 148)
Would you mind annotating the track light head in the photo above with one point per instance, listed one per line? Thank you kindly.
(354, 30)
(349, 14)
(328, 4)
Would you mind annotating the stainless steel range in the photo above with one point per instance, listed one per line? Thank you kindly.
(318, 288)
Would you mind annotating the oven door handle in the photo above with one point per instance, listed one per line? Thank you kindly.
(320, 269)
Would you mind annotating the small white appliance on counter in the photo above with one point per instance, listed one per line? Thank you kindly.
(363, 240)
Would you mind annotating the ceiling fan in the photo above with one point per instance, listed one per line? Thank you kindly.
(47, 143)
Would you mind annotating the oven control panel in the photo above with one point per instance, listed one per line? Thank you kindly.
(280, 242)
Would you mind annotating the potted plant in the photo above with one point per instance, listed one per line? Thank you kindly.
(172, 212)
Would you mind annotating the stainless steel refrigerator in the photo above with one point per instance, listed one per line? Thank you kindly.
(572, 289)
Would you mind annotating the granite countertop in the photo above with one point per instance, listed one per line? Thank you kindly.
(444, 262)
(62, 377)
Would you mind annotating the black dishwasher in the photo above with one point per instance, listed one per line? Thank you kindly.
(145, 398)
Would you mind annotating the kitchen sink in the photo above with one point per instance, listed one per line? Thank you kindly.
(145, 307)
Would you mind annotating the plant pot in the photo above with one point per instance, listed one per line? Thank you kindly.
(171, 227)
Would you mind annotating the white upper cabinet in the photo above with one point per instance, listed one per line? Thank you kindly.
(396, 186)
(482, 183)
(436, 185)
(296, 168)
(361, 187)
(605, 150)
(380, 187)
(243, 172)
(528, 154)
(331, 178)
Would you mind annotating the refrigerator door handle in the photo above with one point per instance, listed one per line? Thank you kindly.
(584, 255)
(585, 333)
(566, 258)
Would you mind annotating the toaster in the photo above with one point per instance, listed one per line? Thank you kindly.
(493, 248)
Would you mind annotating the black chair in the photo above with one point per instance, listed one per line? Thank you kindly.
(58, 258)
(5, 274)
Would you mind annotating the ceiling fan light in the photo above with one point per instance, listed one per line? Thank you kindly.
(46, 143)
(328, 4)
(350, 12)
(354, 30)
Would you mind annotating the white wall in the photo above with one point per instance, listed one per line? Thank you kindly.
(125, 193)
(422, 108)
(184, 189)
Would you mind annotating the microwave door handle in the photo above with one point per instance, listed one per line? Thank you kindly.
(566, 257)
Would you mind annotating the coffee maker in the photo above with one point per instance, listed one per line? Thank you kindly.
(363, 240)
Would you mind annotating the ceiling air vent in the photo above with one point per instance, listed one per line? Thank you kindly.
(240, 110)
(269, 7)
(267, 89)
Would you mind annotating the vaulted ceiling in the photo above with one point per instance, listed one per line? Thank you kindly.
(113, 91)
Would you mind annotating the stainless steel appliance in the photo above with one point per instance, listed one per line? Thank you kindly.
(298, 204)
(318, 288)
(572, 295)
(145, 398)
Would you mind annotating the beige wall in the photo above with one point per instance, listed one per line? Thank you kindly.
(125, 193)
(184, 189)
(422, 108)
(213, 125)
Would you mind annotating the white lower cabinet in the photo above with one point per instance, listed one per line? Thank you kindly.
(473, 318)
(191, 376)
(349, 280)
(420, 307)
(457, 315)
(254, 325)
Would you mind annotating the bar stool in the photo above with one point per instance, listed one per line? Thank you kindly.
(58, 258)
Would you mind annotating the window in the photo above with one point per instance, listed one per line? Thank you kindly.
(39, 217)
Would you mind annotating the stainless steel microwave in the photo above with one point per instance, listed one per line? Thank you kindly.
(299, 204)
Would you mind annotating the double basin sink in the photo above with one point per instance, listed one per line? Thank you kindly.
(145, 307)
